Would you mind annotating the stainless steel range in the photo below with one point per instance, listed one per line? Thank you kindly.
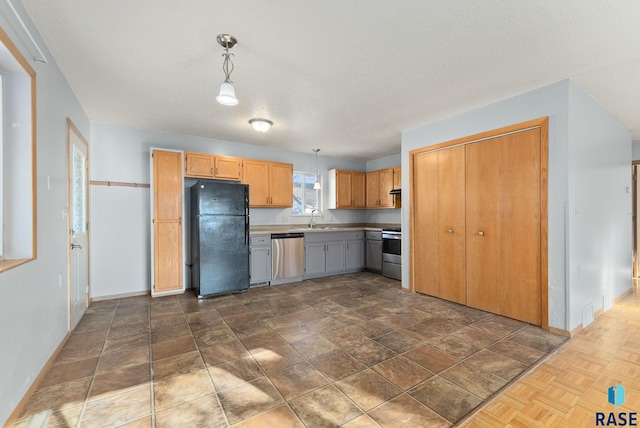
(392, 253)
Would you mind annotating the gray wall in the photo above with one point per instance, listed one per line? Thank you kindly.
(33, 306)
(590, 157)
(635, 150)
(599, 211)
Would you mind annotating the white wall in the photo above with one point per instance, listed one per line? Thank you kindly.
(120, 215)
(599, 204)
(551, 101)
(33, 307)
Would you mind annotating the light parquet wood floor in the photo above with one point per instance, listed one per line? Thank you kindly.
(570, 386)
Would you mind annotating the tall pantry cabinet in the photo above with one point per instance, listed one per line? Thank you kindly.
(479, 221)
(167, 224)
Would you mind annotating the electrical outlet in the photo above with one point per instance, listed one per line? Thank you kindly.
(284, 219)
(59, 280)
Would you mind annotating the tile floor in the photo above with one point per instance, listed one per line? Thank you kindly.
(351, 350)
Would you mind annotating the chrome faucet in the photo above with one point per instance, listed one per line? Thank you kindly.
(311, 223)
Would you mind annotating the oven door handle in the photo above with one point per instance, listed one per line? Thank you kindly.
(397, 237)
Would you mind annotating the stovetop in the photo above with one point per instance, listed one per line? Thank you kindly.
(392, 229)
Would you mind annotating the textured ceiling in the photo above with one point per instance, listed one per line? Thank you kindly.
(344, 76)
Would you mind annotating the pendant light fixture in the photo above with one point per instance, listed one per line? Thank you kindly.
(227, 95)
(261, 125)
(316, 185)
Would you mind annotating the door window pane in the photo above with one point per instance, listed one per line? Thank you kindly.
(78, 197)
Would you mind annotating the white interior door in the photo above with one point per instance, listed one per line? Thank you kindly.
(78, 231)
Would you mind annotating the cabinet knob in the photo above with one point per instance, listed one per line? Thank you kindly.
(450, 231)
(481, 233)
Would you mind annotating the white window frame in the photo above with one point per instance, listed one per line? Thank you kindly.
(307, 211)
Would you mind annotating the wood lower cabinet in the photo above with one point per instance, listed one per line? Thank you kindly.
(347, 189)
(270, 183)
(203, 165)
(440, 200)
(478, 222)
(167, 190)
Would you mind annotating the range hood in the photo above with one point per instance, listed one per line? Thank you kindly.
(396, 192)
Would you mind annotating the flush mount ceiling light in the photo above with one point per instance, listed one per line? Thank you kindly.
(316, 185)
(261, 125)
(227, 95)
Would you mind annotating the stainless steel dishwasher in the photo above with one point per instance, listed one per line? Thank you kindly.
(287, 257)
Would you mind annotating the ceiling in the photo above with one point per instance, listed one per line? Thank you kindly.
(343, 76)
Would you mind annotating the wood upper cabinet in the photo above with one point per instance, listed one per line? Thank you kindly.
(227, 167)
(167, 191)
(379, 184)
(397, 177)
(270, 183)
(281, 184)
(203, 165)
(347, 189)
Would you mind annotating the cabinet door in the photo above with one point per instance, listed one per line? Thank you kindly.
(358, 186)
(503, 226)
(354, 255)
(397, 177)
(167, 221)
(281, 185)
(314, 258)
(227, 168)
(260, 264)
(343, 189)
(199, 165)
(372, 189)
(374, 255)
(255, 173)
(385, 183)
(334, 256)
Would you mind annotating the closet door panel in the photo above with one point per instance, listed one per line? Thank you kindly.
(451, 224)
(520, 293)
(426, 237)
(483, 234)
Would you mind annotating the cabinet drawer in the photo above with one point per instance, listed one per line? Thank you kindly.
(260, 240)
(374, 235)
(355, 235)
(323, 236)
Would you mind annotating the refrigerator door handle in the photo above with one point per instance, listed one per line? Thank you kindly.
(246, 230)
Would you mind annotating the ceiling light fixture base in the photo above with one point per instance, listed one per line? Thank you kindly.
(261, 125)
(227, 41)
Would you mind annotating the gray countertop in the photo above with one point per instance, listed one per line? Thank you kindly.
(324, 227)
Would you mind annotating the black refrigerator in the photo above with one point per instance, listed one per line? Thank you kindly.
(219, 237)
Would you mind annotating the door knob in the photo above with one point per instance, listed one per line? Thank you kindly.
(74, 246)
(481, 233)
(450, 231)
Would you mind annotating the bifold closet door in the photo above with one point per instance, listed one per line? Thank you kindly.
(503, 225)
(440, 223)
